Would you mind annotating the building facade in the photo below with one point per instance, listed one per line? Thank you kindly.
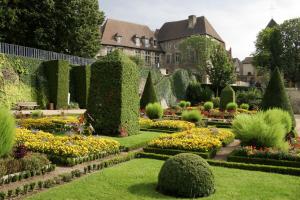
(158, 48)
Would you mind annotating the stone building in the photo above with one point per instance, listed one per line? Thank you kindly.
(158, 48)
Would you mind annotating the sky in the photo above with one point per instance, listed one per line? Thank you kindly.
(237, 21)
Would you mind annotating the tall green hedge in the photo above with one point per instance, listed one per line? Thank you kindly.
(275, 95)
(149, 94)
(227, 96)
(113, 104)
(80, 80)
(57, 73)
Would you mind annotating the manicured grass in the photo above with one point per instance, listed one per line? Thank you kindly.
(136, 141)
(136, 180)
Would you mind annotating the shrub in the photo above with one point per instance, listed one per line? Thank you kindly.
(275, 95)
(7, 131)
(154, 111)
(193, 92)
(258, 131)
(216, 102)
(231, 106)
(208, 105)
(186, 175)
(191, 116)
(184, 104)
(57, 72)
(36, 114)
(113, 105)
(276, 115)
(227, 96)
(244, 106)
(149, 94)
(206, 94)
(252, 97)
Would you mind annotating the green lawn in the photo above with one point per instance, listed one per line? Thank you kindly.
(135, 141)
(136, 180)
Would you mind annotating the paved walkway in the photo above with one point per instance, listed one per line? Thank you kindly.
(53, 112)
(225, 151)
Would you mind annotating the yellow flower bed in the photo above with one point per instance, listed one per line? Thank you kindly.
(196, 139)
(66, 146)
(53, 124)
(167, 124)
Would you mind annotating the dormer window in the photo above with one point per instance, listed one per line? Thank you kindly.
(118, 38)
(137, 40)
(146, 41)
(153, 42)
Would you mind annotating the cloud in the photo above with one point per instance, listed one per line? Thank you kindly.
(237, 21)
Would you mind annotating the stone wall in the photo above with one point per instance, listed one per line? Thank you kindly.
(294, 95)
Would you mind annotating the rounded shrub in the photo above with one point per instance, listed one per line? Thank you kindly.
(7, 131)
(186, 175)
(231, 106)
(227, 96)
(191, 116)
(216, 102)
(184, 104)
(208, 106)
(154, 111)
(244, 106)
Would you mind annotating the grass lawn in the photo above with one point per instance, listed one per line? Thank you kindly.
(136, 180)
(134, 141)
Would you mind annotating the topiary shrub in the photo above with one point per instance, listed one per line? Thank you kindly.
(227, 96)
(244, 106)
(186, 175)
(113, 104)
(184, 104)
(275, 95)
(216, 102)
(208, 106)
(149, 94)
(231, 106)
(206, 94)
(7, 131)
(57, 73)
(193, 93)
(154, 111)
(191, 116)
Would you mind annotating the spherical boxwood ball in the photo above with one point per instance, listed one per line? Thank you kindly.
(186, 175)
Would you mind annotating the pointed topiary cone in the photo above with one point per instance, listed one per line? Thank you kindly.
(149, 94)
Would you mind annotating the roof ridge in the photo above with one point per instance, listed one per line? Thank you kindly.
(133, 23)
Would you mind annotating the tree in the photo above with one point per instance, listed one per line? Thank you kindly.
(69, 26)
(196, 49)
(221, 69)
(149, 94)
(275, 95)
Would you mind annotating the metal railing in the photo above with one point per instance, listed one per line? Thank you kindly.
(39, 54)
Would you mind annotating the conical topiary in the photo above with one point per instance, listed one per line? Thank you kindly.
(149, 94)
(227, 96)
(276, 96)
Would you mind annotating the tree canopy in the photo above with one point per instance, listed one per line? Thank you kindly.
(69, 26)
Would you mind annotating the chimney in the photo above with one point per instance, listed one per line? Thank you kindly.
(192, 21)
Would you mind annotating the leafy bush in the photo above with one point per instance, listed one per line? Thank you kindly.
(113, 105)
(154, 111)
(7, 131)
(262, 129)
(208, 105)
(184, 104)
(193, 92)
(231, 106)
(206, 94)
(244, 106)
(57, 72)
(227, 96)
(186, 175)
(149, 94)
(252, 97)
(276, 115)
(275, 95)
(36, 114)
(216, 102)
(191, 116)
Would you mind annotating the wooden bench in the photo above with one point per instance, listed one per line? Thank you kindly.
(28, 105)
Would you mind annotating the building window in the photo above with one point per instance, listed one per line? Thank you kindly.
(137, 41)
(146, 42)
(177, 58)
(156, 58)
(109, 50)
(169, 58)
(147, 57)
(138, 53)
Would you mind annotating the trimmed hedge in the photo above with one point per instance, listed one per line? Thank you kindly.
(227, 96)
(172, 152)
(235, 165)
(149, 94)
(81, 76)
(113, 104)
(276, 96)
(263, 161)
(57, 73)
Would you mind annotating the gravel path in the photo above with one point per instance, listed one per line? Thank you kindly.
(225, 151)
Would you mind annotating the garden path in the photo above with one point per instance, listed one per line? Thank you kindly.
(225, 151)
(53, 112)
(297, 117)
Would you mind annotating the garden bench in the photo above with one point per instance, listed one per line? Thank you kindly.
(29, 105)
